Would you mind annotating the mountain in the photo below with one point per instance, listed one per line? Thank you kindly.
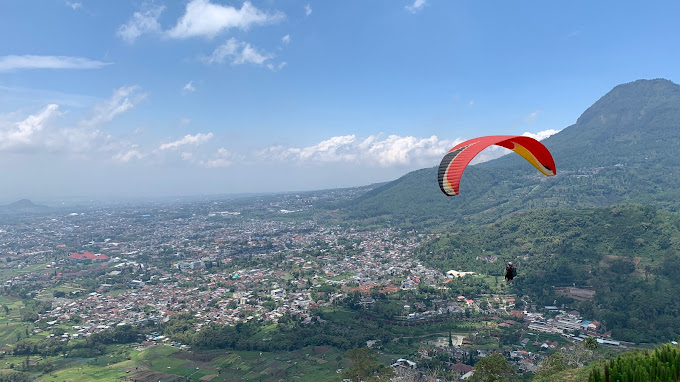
(23, 206)
(621, 149)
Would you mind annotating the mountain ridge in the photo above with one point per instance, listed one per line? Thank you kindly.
(616, 152)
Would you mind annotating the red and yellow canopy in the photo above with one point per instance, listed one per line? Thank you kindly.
(456, 160)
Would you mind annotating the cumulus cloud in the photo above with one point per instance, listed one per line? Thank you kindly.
(375, 150)
(9, 63)
(203, 18)
(308, 9)
(189, 87)
(541, 134)
(25, 132)
(380, 151)
(127, 156)
(140, 23)
(417, 6)
(80, 138)
(223, 158)
(188, 139)
(238, 52)
(123, 99)
(39, 132)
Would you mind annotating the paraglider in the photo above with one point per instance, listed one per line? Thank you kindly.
(510, 271)
(456, 160)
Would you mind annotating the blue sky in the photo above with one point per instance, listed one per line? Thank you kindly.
(158, 98)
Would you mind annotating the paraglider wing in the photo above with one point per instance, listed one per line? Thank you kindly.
(456, 160)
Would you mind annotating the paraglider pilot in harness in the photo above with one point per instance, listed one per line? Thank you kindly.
(510, 271)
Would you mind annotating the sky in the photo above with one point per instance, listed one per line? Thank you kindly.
(137, 98)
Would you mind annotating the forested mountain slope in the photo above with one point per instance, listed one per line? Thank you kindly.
(628, 254)
(622, 149)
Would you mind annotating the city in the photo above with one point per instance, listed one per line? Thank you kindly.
(267, 261)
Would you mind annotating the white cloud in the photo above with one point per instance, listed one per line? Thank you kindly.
(532, 116)
(541, 135)
(223, 158)
(471, 103)
(380, 151)
(203, 18)
(74, 5)
(308, 9)
(80, 139)
(122, 100)
(25, 132)
(373, 150)
(251, 55)
(140, 23)
(228, 49)
(127, 156)
(189, 87)
(8, 63)
(188, 139)
(286, 39)
(278, 67)
(417, 6)
(239, 52)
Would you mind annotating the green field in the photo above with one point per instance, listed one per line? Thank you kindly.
(10, 323)
(12, 270)
(167, 363)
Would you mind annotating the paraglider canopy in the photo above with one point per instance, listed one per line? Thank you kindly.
(456, 160)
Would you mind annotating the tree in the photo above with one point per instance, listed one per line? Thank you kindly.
(552, 365)
(591, 343)
(579, 354)
(365, 367)
(494, 368)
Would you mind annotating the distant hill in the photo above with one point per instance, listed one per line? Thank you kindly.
(23, 206)
(621, 149)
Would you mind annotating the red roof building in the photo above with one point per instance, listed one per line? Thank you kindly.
(88, 256)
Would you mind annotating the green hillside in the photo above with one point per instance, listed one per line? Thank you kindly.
(620, 150)
(629, 254)
(662, 364)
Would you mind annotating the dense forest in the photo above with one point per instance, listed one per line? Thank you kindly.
(660, 365)
(629, 254)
